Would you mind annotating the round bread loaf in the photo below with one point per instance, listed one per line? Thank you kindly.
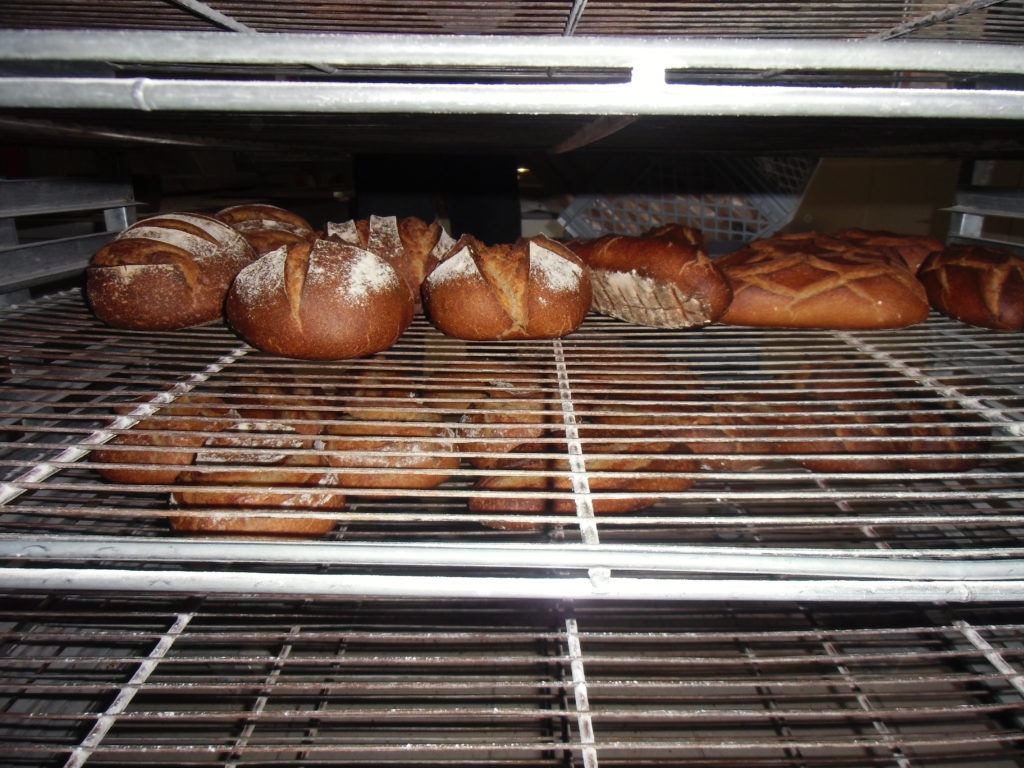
(266, 227)
(153, 457)
(166, 272)
(978, 285)
(665, 469)
(662, 279)
(401, 457)
(320, 300)
(532, 289)
(410, 245)
(865, 423)
(383, 443)
(504, 423)
(809, 280)
(256, 465)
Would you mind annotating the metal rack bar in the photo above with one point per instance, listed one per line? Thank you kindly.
(639, 97)
(264, 584)
(104, 722)
(508, 51)
(940, 565)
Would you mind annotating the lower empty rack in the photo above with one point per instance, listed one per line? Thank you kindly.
(101, 680)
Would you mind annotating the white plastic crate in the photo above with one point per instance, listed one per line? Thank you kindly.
(740, 199)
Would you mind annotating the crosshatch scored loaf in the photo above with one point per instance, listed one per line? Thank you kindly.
(810, 280)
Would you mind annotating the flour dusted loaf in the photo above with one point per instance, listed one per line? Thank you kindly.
(811, 280)
(662, 279)
(166, 272)
(159, 447)
(266, 227)
(410, 245)
(532, 289)
(381, 442)
(319, 300)
(978, 285)
(256, 466)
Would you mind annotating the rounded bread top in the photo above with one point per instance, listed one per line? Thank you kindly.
(533, 288)
(254, 217)
(171, 238)
(980, 285)
(319, 300)
(810, 280)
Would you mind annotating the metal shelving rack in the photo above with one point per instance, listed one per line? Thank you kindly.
(774, 616)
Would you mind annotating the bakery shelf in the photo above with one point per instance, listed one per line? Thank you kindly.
(775, 531)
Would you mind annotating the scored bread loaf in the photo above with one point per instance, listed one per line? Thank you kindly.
(810, 280)
(381, 442)
(166, 272)
(266, 227)
(319, 300)
(912, 249)
(250, 466)
(410, 245)
(662, 279)
(532, 289)
(158, 447)
(979, 285)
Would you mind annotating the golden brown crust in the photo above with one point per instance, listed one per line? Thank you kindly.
(532, 289)
(166, 272)
(419, 240)
(912, 249)
(410, 245)
(323, 300)
(982, 286)
(266, 227)
(663, 279)
(807, 280)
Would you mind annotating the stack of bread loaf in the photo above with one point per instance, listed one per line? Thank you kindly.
(247, 464)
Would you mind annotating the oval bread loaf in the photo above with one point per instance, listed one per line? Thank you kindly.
(978, 285)
(320, 300)
(662, 279)
(809, 280)
(532, 289)
(166, 272)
